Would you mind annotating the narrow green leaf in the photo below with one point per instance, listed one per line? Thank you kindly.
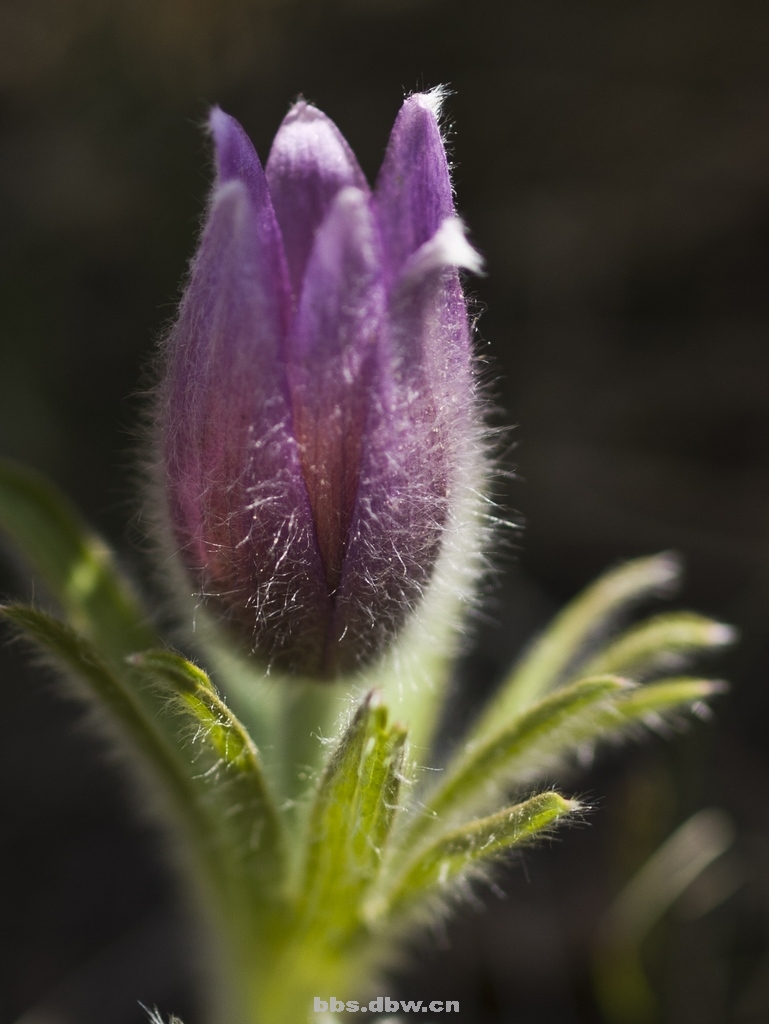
(213, 805)
(537, 743)
(559, 650)
(659, 642)
(650, 704)
(351, 818)
(458, 854)
(378, 793)
(72, 563)
(79, 659)
(524, 749)
(235, 775)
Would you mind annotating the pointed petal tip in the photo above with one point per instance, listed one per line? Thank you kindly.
(431, 100)
(302, 110)
(309, 143)
(234, 154)
(310, 162)
(221, 126)
(413, 193)
(216, 116)
(303, 115)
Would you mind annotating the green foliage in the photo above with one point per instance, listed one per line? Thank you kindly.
(461, 852)
(527, 746)
(660, 643)
(212, 790)
(315, 862)
(74, 566)
(351, 818)
(651, 703)
(561, 648)
(227, 767)
(80, 660)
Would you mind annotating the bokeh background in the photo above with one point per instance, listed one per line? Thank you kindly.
(612, 159)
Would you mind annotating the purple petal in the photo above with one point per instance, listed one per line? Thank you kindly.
(331, 351)
(234, 483)
(428, 311)
(420, 431)
(309, 163)
(413, 193)
(237, 160)
(429, 338)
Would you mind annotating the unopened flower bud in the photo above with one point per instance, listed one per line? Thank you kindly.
(317, 413)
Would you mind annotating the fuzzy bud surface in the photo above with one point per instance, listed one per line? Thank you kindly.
(317, 410)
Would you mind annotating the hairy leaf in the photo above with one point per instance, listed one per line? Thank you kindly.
(221, 746)
(458, 854)
(539, 742)
(557, 653)
(80, 659)
(184, 760)
(72, 563)
(351, 817)
(661, 642)
(650, 704)
(526, 748)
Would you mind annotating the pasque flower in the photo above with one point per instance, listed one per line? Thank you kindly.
(317, 422)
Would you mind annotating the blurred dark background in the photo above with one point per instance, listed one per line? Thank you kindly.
(612, 160)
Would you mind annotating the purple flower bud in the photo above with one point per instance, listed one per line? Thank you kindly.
(317, 415)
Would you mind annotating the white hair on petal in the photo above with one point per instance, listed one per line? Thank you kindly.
(410, 672)
(448, 247)
(434, 99)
